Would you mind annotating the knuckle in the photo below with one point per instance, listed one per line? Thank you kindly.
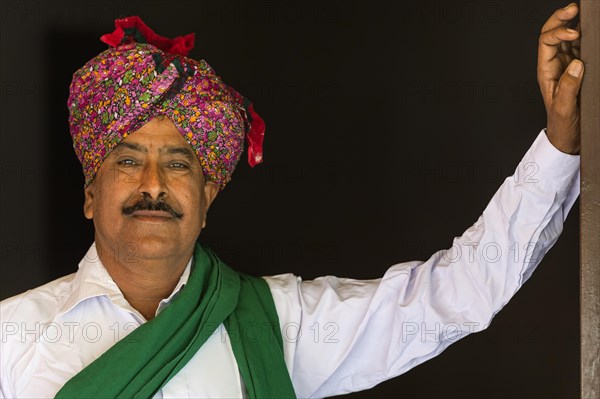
(542, 36)
(548, 37)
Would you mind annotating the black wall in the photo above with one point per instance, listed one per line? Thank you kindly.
(389, 127)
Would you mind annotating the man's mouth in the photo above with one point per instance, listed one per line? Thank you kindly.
(152, 216)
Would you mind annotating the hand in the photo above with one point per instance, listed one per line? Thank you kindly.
(558, 50)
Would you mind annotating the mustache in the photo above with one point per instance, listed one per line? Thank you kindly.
(147, 204)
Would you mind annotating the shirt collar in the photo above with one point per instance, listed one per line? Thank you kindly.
(92, 280)
(180, 284)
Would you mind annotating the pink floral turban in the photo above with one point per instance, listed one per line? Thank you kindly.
(143, 75)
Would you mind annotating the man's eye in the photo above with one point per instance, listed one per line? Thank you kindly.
(178, 165)
(127, 162)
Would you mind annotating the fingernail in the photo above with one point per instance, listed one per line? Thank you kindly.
(575, 69)
(571, 30)
(570, 4)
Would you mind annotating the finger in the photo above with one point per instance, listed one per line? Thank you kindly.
(561, 17)
(565, 100)
(550, 42)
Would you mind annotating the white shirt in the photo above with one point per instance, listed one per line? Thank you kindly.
(340, 335)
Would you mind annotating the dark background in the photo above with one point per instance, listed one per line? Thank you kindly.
(389, 127)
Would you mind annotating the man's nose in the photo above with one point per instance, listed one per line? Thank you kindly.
(152, 180)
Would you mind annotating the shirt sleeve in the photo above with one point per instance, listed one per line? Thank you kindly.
(344, 335)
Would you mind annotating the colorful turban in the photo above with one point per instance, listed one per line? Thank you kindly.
(144, 75)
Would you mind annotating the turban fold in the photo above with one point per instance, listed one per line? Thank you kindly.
(144, 75)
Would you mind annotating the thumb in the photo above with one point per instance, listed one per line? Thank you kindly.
(565, 100)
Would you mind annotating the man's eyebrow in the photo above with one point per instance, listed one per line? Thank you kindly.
(186, 152)
(132, 146)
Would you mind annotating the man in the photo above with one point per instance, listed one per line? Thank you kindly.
(151, 176)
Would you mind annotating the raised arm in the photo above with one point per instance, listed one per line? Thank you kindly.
(355, 334)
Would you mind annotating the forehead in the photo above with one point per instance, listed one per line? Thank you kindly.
(157, 132)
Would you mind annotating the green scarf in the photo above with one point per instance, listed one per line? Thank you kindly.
(144, 361)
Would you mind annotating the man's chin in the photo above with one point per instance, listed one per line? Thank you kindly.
(150, 248)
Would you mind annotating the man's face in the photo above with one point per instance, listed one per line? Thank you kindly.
(149, 199)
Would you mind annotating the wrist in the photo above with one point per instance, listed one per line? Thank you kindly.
(568, 145)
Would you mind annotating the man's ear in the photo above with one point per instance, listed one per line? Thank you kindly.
(88, 204)
(211, 189)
